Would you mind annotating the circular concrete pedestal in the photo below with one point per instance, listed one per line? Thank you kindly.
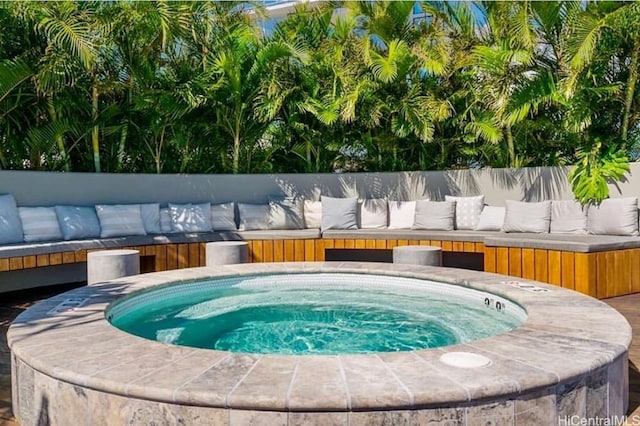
(418, 255)
(107, 265)
(227, 253)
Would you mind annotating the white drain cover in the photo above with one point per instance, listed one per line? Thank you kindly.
(465, 360)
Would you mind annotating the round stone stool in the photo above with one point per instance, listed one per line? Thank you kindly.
(418, 255)
(227, 253)
(106, 265)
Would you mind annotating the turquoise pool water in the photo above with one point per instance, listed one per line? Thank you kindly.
(327, 313)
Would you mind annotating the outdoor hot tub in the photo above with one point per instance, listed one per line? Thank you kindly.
(235, 345)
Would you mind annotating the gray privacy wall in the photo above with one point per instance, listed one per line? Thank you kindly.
(498, 185)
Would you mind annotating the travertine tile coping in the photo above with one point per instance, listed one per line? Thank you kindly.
(566, 336)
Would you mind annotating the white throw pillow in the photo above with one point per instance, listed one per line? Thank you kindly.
(614, 216)
(401, 214)
(39, 224)
(312, 214)
(434, 215)
(522, 216)
(10, 224)
(372, 213)
(568, 217)
(151, 217)
(253, 216)
(491, 219)
(190, 217)
(339, 213)
(223, 217)
(286, 213)
(120, 220)
(468, 210)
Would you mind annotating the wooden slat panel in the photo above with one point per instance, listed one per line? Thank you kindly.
(29, 262)
(350, 244)
(502, 260)
(202, 261)
(479, 247)
(360, 244)
(469, 247)
(320, 257)
(568, 270)
(635, 270)
(299, 250)
(515, 261)
(370, 244)
(541, 265)
(309, 251)
(392, 243)
(403, 242)
(42, 260)
(4, 264)
(55, 259)
(338, 243)
(458, 246)
(267, 251)
(257, 253)
(425, 242)
(161, 257)
(435, 243)
(183, 256)
(289, 251)
(621, 283)
(490, 259)
(555, 267)
(447, 246)
(528, 264)
(68, 257)
(603, 263)
(194, 255)
(172, 256)
(626, 270)
(413, 242)
(81, 255)
(278, 250)
(586, 273)
(381, 244)
(148, 251)
(15, 263)
(612, 273)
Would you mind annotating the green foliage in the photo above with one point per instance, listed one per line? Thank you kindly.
(196, 87)
(597, 168)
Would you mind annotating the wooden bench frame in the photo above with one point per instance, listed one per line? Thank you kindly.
(601, 274)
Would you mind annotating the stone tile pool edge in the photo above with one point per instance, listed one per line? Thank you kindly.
(569, 353)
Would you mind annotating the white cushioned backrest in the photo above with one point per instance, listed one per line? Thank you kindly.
(312, 211)
(614, 216)
(527, 217)
(401, 214)
(40, 224)
(568, 217)
(372, 213)
(120, 220)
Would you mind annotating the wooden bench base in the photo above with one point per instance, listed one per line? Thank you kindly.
(601, 275)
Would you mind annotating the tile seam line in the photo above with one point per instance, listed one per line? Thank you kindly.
(186, 382)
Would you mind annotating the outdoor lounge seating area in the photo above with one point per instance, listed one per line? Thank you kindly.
(594, 250)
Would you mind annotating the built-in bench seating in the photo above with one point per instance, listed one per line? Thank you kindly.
(597, 265)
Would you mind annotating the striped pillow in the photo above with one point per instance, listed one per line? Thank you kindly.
(120, 220)
(39, 224)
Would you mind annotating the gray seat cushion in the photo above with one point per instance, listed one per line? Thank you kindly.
(278, 234)
(563, 242)
(409, 234)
